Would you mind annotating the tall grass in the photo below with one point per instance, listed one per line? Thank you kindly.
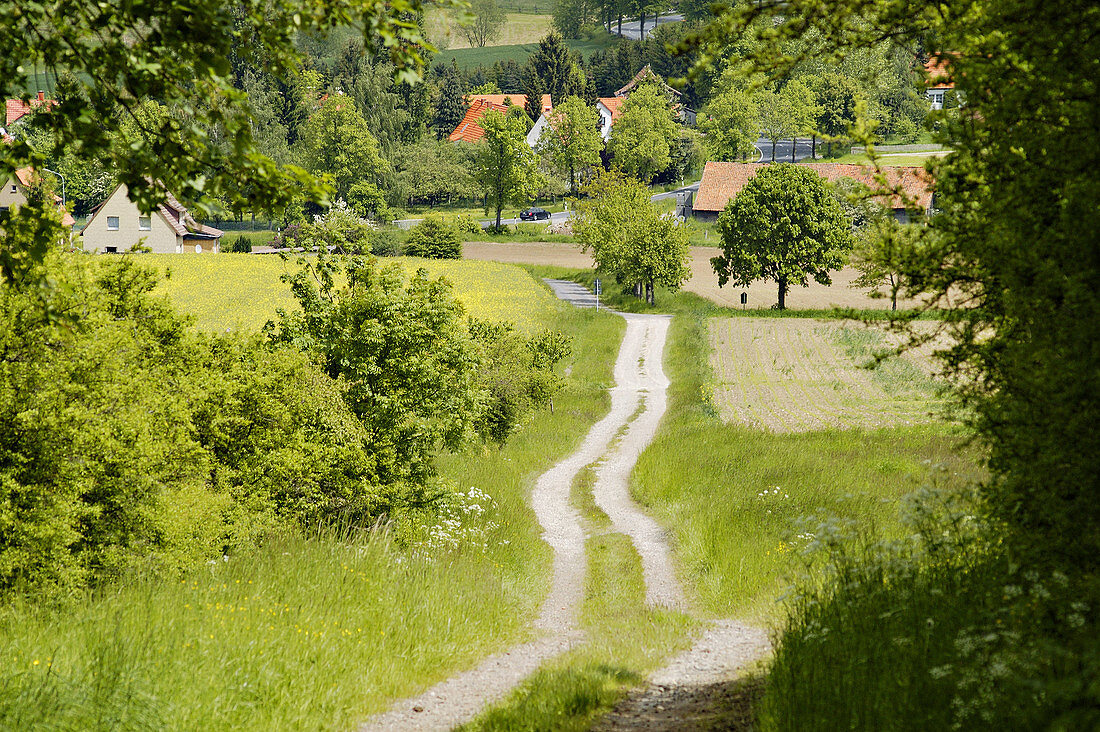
(743, 503)
(316, 631)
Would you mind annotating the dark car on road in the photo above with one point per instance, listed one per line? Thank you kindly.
(534, 214)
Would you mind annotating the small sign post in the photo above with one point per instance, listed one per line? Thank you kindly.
(744, 299)
(598, 290)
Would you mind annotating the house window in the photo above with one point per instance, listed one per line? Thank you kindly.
(112, 223)
(143, 223)
(13, 188)
(112, 250)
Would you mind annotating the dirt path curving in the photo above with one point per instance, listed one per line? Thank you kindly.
(682, 690)
(461, 697)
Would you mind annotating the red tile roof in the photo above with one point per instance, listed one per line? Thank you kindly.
(722, 181)
(644, 73)
(469, 129)
(939, 75)
(14, 109)
(614, 105)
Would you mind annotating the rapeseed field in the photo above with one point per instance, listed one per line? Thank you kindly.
(242, 291)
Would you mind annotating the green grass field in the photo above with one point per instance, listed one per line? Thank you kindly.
(243, 291)
(472, 57)
(318, 631)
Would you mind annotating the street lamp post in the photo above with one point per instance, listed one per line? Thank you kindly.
(62, 184)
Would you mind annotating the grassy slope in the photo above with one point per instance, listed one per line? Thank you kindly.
(309, 632)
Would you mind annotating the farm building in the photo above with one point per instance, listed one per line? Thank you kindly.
(722, 181)
(117, 225)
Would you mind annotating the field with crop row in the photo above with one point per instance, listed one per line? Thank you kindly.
(794, 375)
(242, 291)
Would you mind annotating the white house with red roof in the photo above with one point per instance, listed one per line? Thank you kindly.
(939, 81)
(469, 129)
(117, 225)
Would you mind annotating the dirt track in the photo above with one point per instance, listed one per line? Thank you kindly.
(703, 281)
(639, 381)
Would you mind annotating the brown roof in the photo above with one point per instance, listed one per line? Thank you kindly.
(645, 72)
(722, 181)
(469, 129)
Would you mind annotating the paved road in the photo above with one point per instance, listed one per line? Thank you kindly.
(632, 28)
(783, 150)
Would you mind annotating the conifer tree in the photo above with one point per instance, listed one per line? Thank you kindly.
(451, 107)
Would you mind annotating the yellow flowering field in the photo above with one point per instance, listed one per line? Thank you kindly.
(242, 291)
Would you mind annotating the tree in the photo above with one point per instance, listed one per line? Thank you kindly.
(339, 144)
(571, 140)
(731, 124)
(432, 171)
(506, 166)
(628, 238)
(885, 252)
(785, 226)
(640, 140)
(786, 113)
(451, 107)
(836, 96)
(571, 16)
(485, 24)
(557, 71)
(115, 60)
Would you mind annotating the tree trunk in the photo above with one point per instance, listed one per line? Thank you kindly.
(794, 146)
(813, 147)
(782, 281)
(649, 293)
(620, 23)
(638, 290)
(641, 26)
(773, 149)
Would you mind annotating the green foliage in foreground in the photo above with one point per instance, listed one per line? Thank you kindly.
(941, 631)
(344, 620)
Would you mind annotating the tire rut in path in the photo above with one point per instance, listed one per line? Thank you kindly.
(461, 697)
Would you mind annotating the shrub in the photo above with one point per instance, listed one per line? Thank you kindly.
(467, 224)
(385, 243)
(433, 239)
(241, 245)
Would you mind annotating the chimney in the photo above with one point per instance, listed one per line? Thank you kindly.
(41, 95)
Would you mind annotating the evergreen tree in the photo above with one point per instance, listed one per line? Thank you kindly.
(534, 91)
(556, 69)
(451, 107)
(511, 79)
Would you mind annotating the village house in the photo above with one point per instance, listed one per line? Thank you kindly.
(14, 193)
(723, 181)
(117, 225)
(939, 82)
(469, 129)
(16, 109)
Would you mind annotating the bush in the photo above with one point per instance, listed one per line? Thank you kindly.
(385, 243)
(907, 130)
(241, 245)
(434, 239)
(467, 224)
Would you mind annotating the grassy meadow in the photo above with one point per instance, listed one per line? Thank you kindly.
(468, 58)
(322, 630)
